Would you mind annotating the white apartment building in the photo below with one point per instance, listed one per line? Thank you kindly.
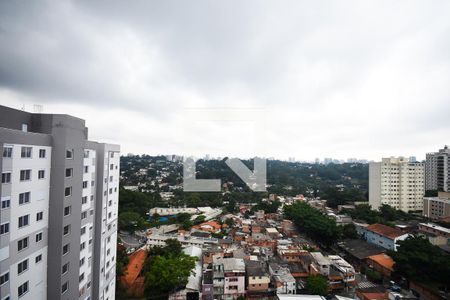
(58, 213)
(397, 182)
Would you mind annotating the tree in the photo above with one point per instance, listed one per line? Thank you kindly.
(229, 222)
(417, 259)
(349, 231)
(168, 273)
(311, 221)
(130, 221)
(156, 217)
(166, 268)
(200, 219)
(317, 285)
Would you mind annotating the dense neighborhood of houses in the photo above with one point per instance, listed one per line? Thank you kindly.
(264, 255)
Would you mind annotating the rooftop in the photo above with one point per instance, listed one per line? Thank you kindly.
(231, 264)
(384, 230)
(359, 248)
(436, 227)
(383, 260)
(255, 268)
(319, 258)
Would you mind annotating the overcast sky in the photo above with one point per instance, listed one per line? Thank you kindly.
(301, 79)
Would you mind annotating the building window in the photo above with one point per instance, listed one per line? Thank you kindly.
(25, 175)
(6, 177)
(24, 221)
(85, 184)
(81, 278)
(82, 261)
(7, 152)
(69, 172)
(24, 127)
(67, 210)
(41, 153)
(69, 154)
(83, 215)
(22, 266)
(24, 198)
(38, 237)
(6, 203)
(83, 230)
(23, 289)
(111, 167)
(66, 249)
(86, 169)
(86, 153)
(25, 152)
(4, 228)
(64, 287)
(39, 216)
(4, 278)
(41, 174)
(38, 258)
(65, 268)
(22, 244)
(84, 200)
(68, 191)
(66, 230)
(82, 246)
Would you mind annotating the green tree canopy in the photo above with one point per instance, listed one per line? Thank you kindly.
(417, 259)
(130, 221)
(166, 269)
(311, 221)
(317, 285)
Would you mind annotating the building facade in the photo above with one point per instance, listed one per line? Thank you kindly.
(397, 182)
(437, 170)
(59, 200)
(384, 236)
(437, 207)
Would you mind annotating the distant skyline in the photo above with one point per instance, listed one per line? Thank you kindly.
(368, 79)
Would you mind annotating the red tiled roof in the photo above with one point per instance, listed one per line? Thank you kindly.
(385, 230)
(215, 225)
(383, 260)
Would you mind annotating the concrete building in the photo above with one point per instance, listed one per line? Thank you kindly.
(228, 278)
(437, 170)
(283, 280)
(397, 182)
(437, 207)
(49, 168)
(258, 279)
(383, 236)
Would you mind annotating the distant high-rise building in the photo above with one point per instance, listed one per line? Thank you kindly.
(437, 170)
(58, 214)
(397, 182)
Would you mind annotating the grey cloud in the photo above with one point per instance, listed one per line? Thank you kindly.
(324, 59)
